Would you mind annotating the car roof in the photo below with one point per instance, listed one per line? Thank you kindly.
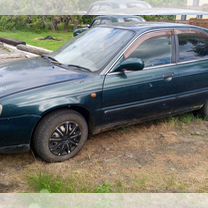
(118, 16)
(118, 2)
(145, 26)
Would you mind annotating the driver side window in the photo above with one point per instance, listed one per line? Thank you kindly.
(154, 51)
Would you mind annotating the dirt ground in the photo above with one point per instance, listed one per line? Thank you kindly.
(166, 156)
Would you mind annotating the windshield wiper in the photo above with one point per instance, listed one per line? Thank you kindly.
(79, 67)
(54, 61)
(51, 59)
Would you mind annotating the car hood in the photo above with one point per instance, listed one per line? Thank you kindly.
(33, 73)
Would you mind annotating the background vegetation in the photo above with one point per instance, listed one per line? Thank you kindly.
(53, 23)
(33, 29)
(36, 39)
(65, 22)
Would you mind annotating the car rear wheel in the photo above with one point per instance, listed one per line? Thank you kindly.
(204, 111)
(60, 136)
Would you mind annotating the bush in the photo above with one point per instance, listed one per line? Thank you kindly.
(41, 23)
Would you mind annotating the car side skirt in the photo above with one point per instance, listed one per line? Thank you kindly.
(15, 149)
(100, 129)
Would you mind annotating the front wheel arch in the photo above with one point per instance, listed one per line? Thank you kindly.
(46, 120)
(83, 111)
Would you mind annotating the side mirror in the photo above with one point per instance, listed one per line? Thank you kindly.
(131, 64)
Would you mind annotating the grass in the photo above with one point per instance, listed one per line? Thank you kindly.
(141, 184)
(51, 184)
(174, 165)
(104, 188)
(46, 183)
(32, 38)
(184, 119)
(173, 185)
(187, 119)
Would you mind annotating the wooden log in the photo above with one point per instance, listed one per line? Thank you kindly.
(12, 56)
(32, 49)
(13, 50)
(12, 42)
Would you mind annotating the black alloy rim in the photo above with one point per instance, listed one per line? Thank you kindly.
(65, 138)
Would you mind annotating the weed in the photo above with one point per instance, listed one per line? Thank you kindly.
(47, 183)
(51, 184)
(173, 185)
(141, 184)
(183, 119)
(104, 188)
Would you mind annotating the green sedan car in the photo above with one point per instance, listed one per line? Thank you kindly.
(108, 77)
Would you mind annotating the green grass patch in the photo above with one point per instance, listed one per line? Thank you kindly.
(187, 119)
(46, 183)
(32, 38)
(183, 119)
(104, 188)
(52, 184)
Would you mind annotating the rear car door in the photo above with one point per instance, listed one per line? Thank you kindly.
(191, 74)
(146, 93)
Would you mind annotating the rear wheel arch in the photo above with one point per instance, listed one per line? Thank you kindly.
(203, 112)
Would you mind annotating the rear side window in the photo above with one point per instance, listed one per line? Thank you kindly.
(192, 47)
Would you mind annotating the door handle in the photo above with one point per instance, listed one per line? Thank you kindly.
(168, 77)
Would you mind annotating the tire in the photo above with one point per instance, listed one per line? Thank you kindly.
(204, 111)
(60, 136)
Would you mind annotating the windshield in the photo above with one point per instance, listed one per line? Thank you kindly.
(95, 49)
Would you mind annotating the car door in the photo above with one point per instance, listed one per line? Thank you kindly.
(191, 73)
(143, 94)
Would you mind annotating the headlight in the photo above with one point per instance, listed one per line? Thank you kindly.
(1, 109)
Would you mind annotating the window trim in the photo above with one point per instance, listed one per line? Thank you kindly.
(190, 31)
(168, 37)
(150, 35)
(111, 67)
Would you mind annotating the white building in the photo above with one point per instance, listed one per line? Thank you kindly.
(196, 3)
(193, 4)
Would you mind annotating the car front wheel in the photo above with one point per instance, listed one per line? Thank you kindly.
(60, 136)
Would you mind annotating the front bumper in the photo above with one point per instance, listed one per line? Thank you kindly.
(16, 132)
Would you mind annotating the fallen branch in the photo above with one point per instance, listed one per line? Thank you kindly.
(12, 42)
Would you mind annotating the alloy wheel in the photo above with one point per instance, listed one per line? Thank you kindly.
(65, 138)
